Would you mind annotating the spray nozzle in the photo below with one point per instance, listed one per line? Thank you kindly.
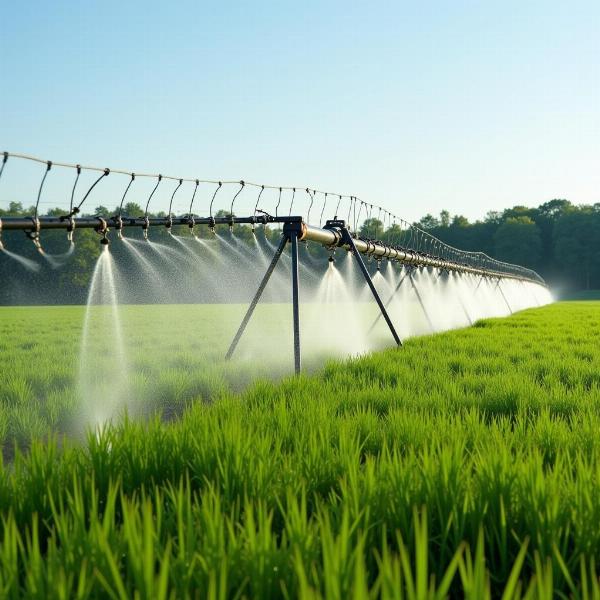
(145, 226)
(34, 235)
(70, 227)
(102, 229)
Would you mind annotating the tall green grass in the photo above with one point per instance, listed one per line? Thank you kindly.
(466, 464)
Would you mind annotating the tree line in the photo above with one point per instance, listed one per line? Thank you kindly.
(558, 239)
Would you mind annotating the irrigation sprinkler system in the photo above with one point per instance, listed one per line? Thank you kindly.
(416, 250)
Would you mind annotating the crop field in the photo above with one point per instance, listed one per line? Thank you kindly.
(174, 353)
(465, 464)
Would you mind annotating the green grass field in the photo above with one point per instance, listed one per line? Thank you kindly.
(466, 464)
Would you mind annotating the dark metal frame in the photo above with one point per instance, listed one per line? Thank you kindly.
(335, 234)
(293, 233)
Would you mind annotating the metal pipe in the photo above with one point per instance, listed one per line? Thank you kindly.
(295, 300)
(328, 237)
(27, 223)
(331, 238)
(367, 276)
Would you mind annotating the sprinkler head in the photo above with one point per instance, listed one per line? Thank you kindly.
(145, 227)
(191, 225)
(104, 241)
(70, 229)
(331, 259)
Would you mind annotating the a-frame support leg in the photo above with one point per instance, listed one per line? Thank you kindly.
(295, 300)
(348, 239)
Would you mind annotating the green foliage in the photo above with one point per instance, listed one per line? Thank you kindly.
(577, 244)
(518, 241)
(465, 465)
(371, 229)
(557, 239)
(561, 241)
(429, 222)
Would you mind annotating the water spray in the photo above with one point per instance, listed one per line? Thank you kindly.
(418, 249)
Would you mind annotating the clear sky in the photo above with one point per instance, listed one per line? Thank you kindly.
(417, 106)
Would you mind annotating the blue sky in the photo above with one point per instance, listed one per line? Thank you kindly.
(468, 106)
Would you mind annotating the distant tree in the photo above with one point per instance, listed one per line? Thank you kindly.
(444, 218)
(460, 221)
(102, 211)
(555, 208)
(56, 212)
(577, 244)
(519, 211)
(518, 241)
(132, 209)
(393, 234)
(428, 222)
(15, 209)
(494, 217)
(371, 228)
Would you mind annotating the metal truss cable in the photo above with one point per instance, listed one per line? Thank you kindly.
(424, 241)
